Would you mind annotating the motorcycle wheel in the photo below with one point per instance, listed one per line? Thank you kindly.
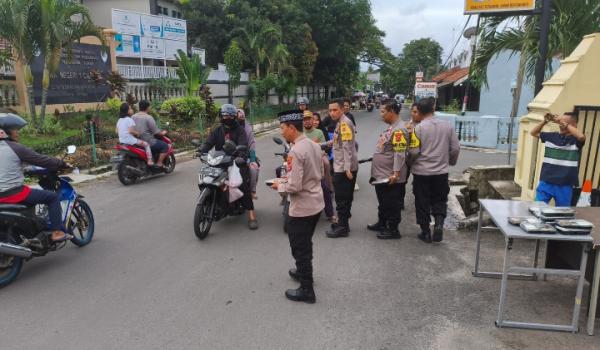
(124, 175)
(82, 224)
(203, 218)
(170, 164)
(10, 267)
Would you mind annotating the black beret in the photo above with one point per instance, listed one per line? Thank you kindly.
(294, 115)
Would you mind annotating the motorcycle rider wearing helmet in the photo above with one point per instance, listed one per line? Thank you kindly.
(303, 103)
(230, 130)
(12, 187)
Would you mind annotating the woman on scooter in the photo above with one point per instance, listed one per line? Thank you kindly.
(253, 162)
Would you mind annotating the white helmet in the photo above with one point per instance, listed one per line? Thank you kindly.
(302, 101)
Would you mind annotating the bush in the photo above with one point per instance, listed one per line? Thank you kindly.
(184, 109)
(49, 126)
(113, 105)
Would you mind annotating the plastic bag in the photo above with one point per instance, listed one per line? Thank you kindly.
(235, 194)
(235, 177)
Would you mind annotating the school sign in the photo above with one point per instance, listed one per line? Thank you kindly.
(490, 6)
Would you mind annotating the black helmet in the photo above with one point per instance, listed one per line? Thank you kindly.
(228, 109)
(9, 121)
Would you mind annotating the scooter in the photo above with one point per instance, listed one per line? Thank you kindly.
(24, 231)
(132, 163)
(213, 201)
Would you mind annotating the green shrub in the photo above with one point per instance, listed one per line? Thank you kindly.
(49, 126)
(113, 105)
(184, 109)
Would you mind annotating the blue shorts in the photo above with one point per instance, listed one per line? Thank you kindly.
(562, 194)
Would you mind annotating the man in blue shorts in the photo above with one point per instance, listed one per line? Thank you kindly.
(560, 168)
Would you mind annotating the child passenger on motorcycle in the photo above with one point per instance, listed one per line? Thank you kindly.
(127, 133)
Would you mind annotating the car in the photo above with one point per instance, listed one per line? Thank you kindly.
(400, 98)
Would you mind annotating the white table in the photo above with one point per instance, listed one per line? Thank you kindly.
(500, 210)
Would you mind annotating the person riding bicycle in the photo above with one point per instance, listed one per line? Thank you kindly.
(12, 180)
(230, 130)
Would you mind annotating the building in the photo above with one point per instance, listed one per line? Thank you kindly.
(100, 10)
(452, 88)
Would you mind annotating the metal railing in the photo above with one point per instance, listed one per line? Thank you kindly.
(589, 161)
(8, 70)
(484, 131)
(146, 72)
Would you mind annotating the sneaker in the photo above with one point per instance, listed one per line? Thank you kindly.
(253, 224)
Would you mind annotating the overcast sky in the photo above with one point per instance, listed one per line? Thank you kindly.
(406, 20)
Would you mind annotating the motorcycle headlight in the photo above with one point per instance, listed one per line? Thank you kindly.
(212, 161)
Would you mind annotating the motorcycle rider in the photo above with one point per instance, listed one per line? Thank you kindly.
(303, 103)
(12, 187)
(230, 130)
(146, 127)
(253, 161)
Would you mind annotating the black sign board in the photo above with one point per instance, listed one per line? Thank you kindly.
(72, 83)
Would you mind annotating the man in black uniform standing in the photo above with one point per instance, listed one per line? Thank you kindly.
(232, 131)
(303, 186)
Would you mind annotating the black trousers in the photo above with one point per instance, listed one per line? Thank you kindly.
(300, 231)
(246, 200)
(344, 195)
(431, 196)
(390, 197)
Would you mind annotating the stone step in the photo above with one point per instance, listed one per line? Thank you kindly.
(505, 189)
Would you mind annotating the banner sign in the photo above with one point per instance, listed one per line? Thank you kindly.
(174, 29)
(152, 26)
(153, 48)
(200, 52)
(124, 22)
(128, 45)
(72, 83)
(426, 89)
(419, 76)
(491, 6)
(171, 47)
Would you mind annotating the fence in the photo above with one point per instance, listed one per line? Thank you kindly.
(589, 160)
(8, 95)
(146, 72)
(485, 131)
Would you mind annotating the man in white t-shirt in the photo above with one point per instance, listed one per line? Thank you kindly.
(126, 131)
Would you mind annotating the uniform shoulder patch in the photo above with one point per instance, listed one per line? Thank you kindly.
(346, 131)
(414, 141)
(399, 141)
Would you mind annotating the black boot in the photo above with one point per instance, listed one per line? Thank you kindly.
(338, 230)
(438, 229)
(390, 231)
(378, 226)
(294, 274)
(425, 234)
(304, 293)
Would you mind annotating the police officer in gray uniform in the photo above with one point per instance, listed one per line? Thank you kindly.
(389, 163)
(303, 186)
(433, 147)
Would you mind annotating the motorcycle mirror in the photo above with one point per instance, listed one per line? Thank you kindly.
(71, 149)
(195, 142)
(277, 140)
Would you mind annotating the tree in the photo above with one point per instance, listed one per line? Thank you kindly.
(256, 39)
(571, 20)
(191, 72)
(18, 28)
(234, 61)
(62, 22)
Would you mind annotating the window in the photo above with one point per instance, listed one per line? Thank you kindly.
(173, 13)
(158, 9)
(165, 11)
(179, 15)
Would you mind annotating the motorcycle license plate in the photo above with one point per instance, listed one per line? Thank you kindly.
(213, 172)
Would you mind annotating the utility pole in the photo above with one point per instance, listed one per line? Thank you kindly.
(540, 67)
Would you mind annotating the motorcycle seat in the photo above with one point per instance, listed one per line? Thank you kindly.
(13, 207)
(136, 146)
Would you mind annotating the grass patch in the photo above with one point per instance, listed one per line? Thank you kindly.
(33, 141)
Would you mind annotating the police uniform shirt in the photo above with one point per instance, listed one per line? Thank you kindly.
(390, 153)
(434, 146)
(304, 179)
(344, 146)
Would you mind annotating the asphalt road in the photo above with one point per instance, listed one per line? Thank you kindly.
(146, 282)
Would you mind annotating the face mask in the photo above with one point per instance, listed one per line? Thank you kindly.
(230, 123)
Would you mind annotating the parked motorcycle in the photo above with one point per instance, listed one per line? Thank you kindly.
(132, 163)
(213, 200)
(24, 229)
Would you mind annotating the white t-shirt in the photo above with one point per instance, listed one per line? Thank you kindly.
(123, 126)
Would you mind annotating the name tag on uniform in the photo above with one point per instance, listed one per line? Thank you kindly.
(399, 141)
(347, 134)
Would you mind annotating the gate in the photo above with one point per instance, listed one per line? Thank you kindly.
(589, 161)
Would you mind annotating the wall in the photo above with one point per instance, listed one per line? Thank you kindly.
(100, 9)
(575, 83)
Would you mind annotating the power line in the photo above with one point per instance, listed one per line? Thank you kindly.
(457, 41)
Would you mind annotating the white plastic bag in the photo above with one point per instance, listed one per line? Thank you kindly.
(235, 177)
(235, 194)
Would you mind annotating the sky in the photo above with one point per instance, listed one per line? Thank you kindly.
(406, 20)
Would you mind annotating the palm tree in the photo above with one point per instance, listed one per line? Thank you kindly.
(278, 59)
(62, 23)
(191, 72)
(256, 40)
(18, 28)
(571, 20)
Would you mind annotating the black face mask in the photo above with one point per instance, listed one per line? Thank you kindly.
(230, 123)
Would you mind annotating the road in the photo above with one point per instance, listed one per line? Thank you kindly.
(146, 282)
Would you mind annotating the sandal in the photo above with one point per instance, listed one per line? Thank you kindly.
(65, 237)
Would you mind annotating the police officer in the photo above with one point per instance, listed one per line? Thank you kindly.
(306, 201)
(389, 162)
(345, 168)
(433, 148)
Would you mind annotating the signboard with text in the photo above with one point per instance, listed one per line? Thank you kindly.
(72, 83)
(174, 29)
(491, 6)
(128, 45)
(124, 22)
(426, 89)
(153, 48)
(152, 26)
(419, 76)
(172, 46)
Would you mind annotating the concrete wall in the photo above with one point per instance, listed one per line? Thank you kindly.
(575, 83)
(100, 9)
